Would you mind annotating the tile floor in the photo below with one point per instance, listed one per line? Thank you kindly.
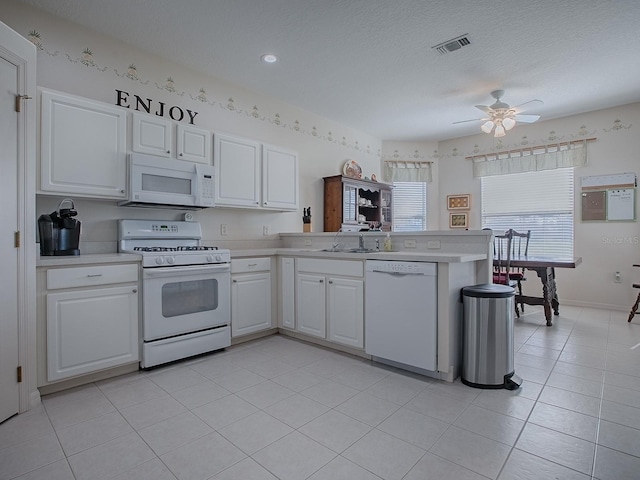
(280, 408)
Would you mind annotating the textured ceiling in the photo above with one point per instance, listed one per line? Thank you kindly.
(368, 64)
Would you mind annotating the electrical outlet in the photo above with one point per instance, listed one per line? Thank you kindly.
(409, 244)
(265, 230)
(307, 242)
(433, 244)
(617, 277)
(223, 229)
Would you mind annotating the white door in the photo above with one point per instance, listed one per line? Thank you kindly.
(151, 135)
(311, 305)
(194, 144)
(250, 303)
(9, 220)
(346, 311)
(279, 178)
(237, 162)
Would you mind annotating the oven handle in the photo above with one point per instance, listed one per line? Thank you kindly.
(157, 272)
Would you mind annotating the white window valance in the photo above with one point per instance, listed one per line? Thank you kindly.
(407, 171)
(544, 157)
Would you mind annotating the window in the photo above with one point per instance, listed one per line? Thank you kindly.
(409, 206)
(540, 201)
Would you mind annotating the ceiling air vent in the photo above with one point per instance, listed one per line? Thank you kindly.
(452, 45)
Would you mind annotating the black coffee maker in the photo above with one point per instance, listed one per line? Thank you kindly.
(59, 232)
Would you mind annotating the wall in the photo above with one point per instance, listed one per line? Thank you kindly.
(82, 62)
(605, 247)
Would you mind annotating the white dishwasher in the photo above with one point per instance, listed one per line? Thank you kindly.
(401, 312)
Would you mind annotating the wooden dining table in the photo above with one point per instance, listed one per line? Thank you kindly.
(545, 269)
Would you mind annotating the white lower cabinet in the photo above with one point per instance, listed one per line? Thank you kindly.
(312, 307)
(250, 295)
(287, 303)
(91, 321)
(330, 300)
(346, 311)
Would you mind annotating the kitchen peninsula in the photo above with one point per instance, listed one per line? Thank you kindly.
(461, 259)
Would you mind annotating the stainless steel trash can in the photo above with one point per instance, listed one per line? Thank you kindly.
(487, 345)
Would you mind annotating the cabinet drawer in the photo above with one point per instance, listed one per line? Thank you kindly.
(91, 275)
(350, 268)
(244, 265)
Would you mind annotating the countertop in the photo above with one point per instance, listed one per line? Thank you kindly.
(74, 260)
(437, 257)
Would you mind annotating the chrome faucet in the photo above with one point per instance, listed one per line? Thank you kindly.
(361, 241)
(334, 244)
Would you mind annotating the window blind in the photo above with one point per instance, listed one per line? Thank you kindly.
(541, 201)
(409, 206)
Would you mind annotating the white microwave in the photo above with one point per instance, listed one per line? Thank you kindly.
(165, 182)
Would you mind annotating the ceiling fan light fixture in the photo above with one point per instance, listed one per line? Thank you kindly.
(487, 126)
(499, 131)
(508, 123)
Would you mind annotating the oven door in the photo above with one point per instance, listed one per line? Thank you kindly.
(179, 300)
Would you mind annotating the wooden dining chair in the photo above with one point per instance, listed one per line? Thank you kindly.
(502, 249)
(635, 305)
(519, 248)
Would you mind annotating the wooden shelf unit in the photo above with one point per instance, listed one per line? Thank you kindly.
(342, 203)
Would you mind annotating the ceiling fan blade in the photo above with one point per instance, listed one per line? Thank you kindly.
(529, 105)
(472, 120)
(484, 108)
(527, 118)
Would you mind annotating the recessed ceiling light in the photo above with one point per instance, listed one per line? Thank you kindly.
(269, 58)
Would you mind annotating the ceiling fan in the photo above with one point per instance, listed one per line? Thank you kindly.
(500, 117)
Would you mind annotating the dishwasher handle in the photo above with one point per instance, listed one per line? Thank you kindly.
(420, 274)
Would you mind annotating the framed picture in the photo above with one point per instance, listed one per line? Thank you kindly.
(459, 220)
(459, 202)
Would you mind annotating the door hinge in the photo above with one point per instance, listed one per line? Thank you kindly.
(19, 372)
(19, 99)
(16, 239)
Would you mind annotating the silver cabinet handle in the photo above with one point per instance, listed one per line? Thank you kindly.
(180, 153)
(94, 275)
(235, 281)
(330, 282)
(252, 265)
(168, 151)
(135, 290)
(321, 281)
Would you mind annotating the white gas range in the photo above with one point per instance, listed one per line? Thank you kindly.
(186, 289)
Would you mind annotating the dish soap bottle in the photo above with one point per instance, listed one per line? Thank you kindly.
(387, 243)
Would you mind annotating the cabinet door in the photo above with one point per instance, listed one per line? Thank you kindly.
(279, 178)
(250, 303)
(349, 203)
(151, 135)
(346, 311)
(89, 330)
(237, 163)
(386, 209)
(311, 304)
(83, 147)
(194, 144)
(287, 293)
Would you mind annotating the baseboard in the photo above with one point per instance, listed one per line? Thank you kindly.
(601, 306)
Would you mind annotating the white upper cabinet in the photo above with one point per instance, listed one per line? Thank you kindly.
(82, 147)
(279, 178)
(251, 175)
(237, 162)
(151, 135)
(194, 144)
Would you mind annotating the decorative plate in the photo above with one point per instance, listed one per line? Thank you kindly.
(352, 169)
